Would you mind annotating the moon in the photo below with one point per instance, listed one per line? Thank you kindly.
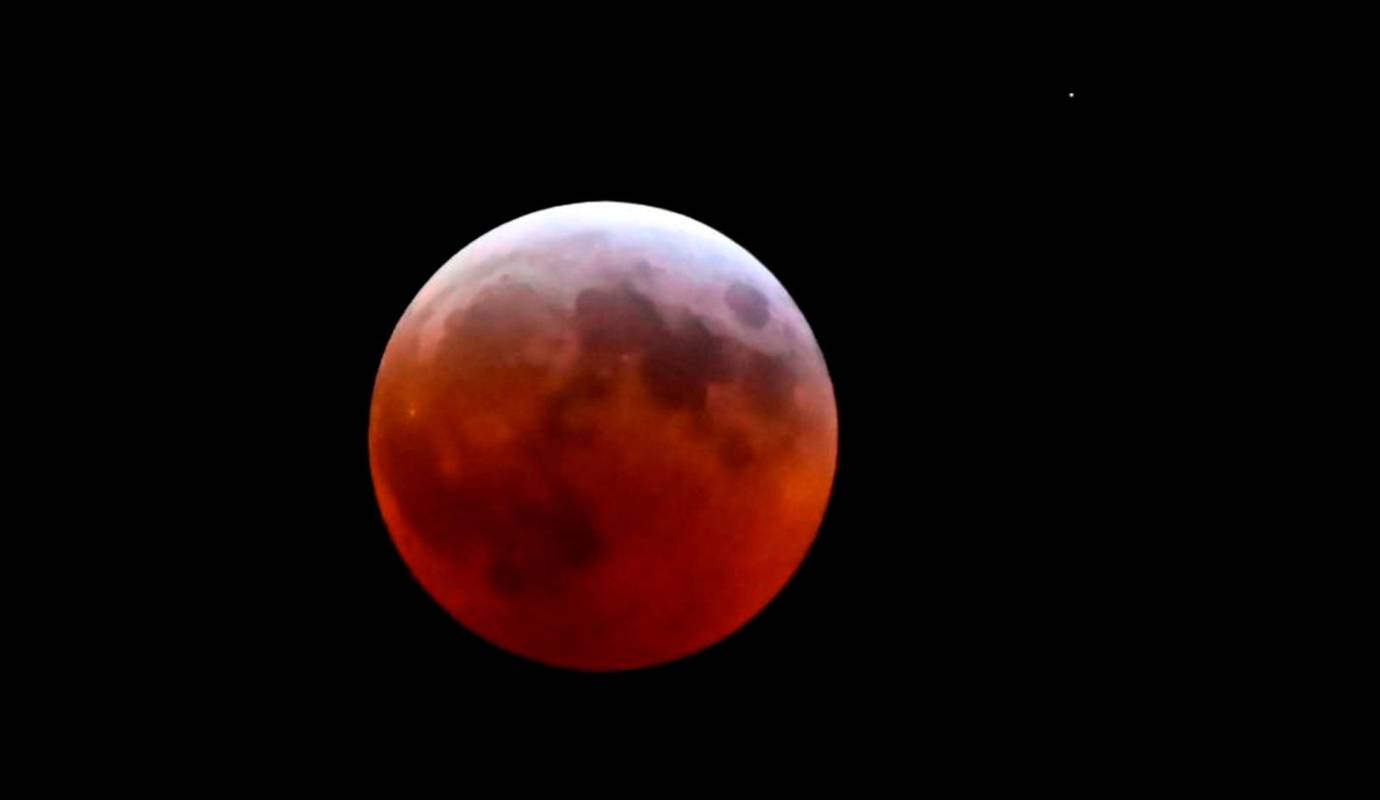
(603, 437)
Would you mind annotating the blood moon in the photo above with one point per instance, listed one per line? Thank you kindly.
(603, 436)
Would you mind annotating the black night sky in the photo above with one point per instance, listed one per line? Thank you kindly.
(962, 235)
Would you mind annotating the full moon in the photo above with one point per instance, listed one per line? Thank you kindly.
(603, 436)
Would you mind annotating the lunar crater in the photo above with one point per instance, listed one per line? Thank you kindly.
(748, 304)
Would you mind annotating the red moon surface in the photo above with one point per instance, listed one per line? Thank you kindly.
(603, 436)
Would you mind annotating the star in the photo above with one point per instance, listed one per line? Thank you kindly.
(1070, 94)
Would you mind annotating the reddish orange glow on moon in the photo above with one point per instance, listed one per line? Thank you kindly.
(603, 436)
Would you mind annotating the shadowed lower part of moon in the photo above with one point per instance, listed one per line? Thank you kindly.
(603, 437)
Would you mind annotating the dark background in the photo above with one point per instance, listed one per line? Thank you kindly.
(968, 243)
(1068, 536)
